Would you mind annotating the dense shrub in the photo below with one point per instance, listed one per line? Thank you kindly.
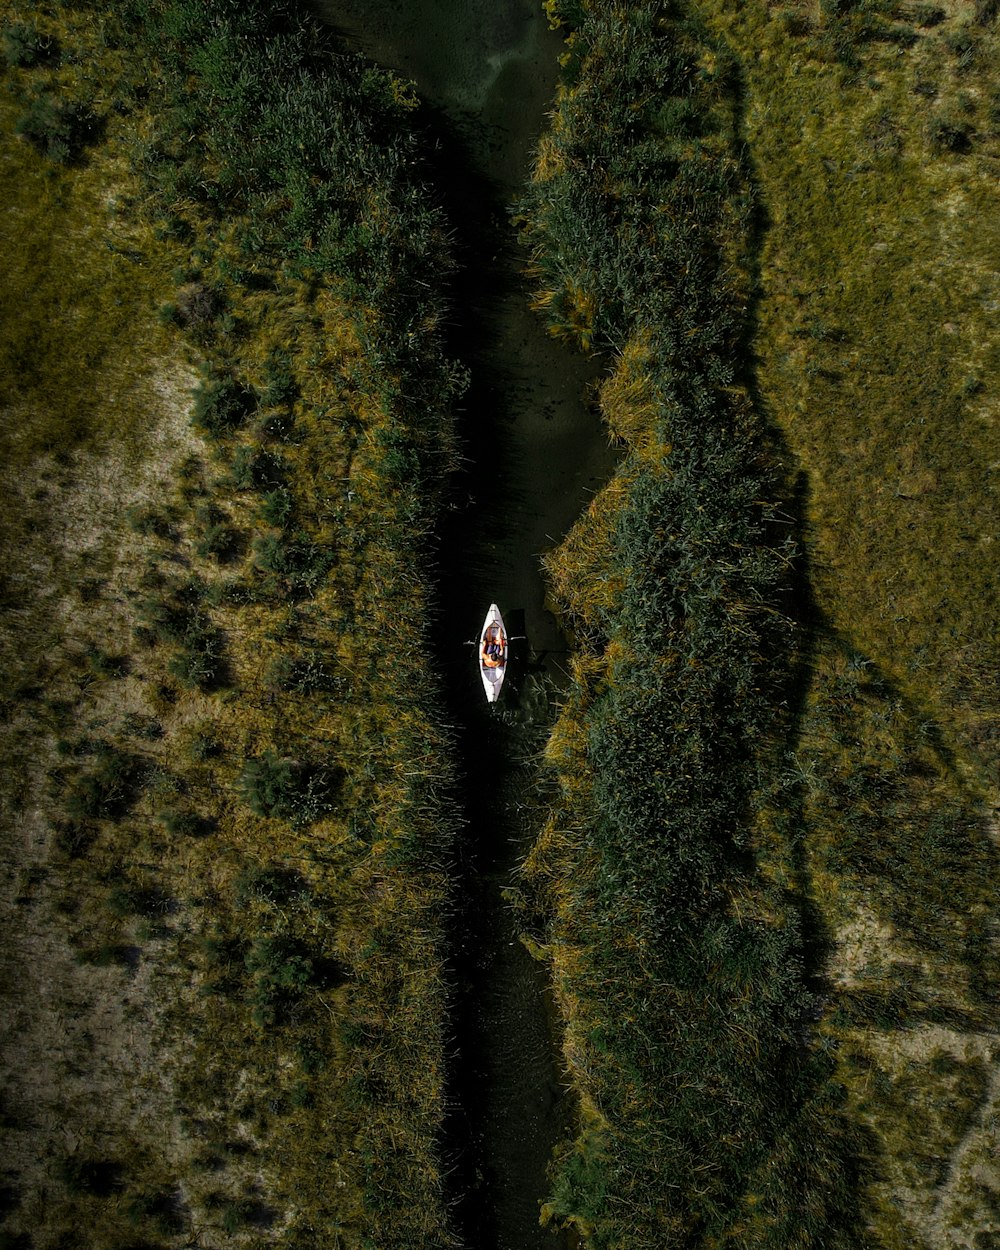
(282, 164)
(687, 1008)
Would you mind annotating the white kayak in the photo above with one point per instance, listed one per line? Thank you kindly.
(493, 653)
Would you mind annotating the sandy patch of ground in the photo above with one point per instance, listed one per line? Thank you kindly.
(949, 1215)
(80, 1072)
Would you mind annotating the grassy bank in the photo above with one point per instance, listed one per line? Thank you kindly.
(766, 879)
(230, 827)
(877, 349)
(877, 359)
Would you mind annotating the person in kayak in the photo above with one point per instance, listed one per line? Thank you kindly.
(492, 652)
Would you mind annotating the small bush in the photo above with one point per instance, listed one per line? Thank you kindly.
(278, 788)
(136, 898)
(280, 386)
(220, 541)
(24, 46)
(162, 1211)
(255, 469)
(272, 885)
(151, 522)
(280, 973)
(135, 725)
(277, 507)
(103, 664)
(300, 562)
(926, 15)
(300, 1096)
(203, 746)
(108, 791)
(245, 1212)
(302, 674)
(795, 22)
(184, 823)
(200, 665)
(965, 45)
(74, 838)
(234, 592)
(268, 785)
(57, 129)
(168, 620)
(197, 305)
(949, 132)
(223, 964)
(89, 1176)
(110, 955)
(221, 405)
(279, 425)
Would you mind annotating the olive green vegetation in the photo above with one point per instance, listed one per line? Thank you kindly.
(765, 886)
(246, 820)
(877, 359)
(876, 337)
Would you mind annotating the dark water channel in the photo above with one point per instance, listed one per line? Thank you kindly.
(534, 453)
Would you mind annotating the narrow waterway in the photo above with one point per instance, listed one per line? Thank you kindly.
(534, 453)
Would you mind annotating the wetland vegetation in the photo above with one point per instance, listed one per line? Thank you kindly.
(231, 824)
(768, 875)
(763, 884)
